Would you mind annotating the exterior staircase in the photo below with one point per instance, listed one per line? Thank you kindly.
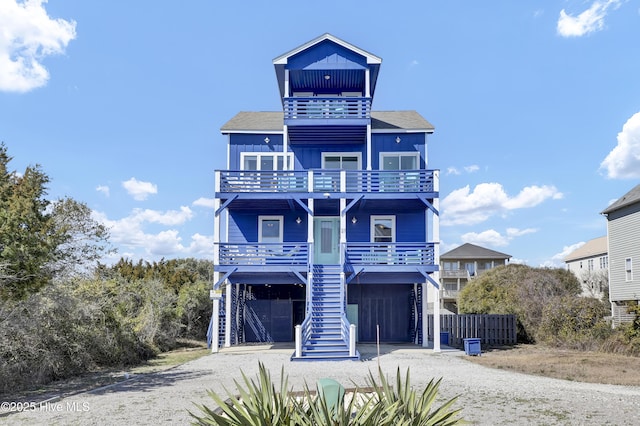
(325, 331)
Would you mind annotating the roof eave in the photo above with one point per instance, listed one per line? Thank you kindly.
(284, 58)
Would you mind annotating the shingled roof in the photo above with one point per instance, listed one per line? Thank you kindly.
(471, 251)
(595, 247)
(627, 199)
(271, 121)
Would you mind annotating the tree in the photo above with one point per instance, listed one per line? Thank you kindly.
(27, 235)
(39, 239)
(82, 241)
(519, 290)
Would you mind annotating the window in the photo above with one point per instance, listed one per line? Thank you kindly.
(604, 262)
(266, 160)
(270, 229)
(590, 264)
(628, 269)
(341, 160)
(399, 160)
(383, 229)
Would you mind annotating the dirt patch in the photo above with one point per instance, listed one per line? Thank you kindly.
(106, 377)
(588, 367)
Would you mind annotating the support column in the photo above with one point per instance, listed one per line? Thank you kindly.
(436, 260)
(425, 314)
(436, 322)
(215, 319)
(229, 315)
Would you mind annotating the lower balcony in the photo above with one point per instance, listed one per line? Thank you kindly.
(286, 256)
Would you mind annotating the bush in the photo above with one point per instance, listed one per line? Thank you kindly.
(520, 290)
(575, 323)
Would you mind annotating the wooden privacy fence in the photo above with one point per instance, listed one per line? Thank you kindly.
(492, 330)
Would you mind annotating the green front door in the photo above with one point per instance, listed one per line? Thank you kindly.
(326, 240)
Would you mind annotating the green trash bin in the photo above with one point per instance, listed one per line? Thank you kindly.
(331, 391)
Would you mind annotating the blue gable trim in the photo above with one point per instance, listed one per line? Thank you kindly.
(327, 55)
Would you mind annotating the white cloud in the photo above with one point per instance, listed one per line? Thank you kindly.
(462, 206)
(566, 250)
(139, 190)
(28, 35)
(102, 188)
(491, 237)
(169, 218)
(469, 169)
(204, 202)
(132, 236)
(586, 22)
(623, 162)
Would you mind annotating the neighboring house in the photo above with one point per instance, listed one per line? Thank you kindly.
(327, 214)
(590, 264)
(623, 232)
(461, 265)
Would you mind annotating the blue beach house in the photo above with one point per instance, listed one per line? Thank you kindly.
(326, 219)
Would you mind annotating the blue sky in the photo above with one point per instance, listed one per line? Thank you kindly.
(536, 107)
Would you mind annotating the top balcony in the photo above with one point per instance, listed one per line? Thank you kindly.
(321, 181)
(308, 110)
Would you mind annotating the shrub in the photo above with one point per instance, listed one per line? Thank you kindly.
(520, 290)
(574, 322)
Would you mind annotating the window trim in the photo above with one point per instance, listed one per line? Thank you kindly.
(281, 230)
(342, 154)
(274, 155)
(628, 269)
(373, 229)
(384, 154)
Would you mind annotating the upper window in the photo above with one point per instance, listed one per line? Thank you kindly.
(341, 160)
(266, 160)
(270, 229)
(399, 160)
(628, 269)
(383, 229)
(590, 264)
(604, 262)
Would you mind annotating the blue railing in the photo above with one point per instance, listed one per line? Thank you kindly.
(324, 107)
(399, 254)
(297, 254)
(246, 254)
(322, 180)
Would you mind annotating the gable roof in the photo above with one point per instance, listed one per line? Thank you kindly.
(627, 199)
(371, 61)
(592, 248)
(472, 251)
(283, 59)
(272, 122)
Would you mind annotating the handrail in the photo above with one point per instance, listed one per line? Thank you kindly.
(243, 254)
(325, 180)
(399, 254)
(317, 107)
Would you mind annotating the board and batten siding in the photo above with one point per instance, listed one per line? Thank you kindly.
(624, 237)
(239, 143)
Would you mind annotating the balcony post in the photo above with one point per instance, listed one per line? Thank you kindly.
(352, 340)
(298, 341)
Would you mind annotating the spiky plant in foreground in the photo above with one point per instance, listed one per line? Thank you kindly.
(261, 404)
(257, 404)
(403, 406)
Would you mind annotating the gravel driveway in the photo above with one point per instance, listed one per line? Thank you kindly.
(487, 396)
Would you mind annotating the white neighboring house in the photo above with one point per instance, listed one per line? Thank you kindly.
(590, 263)
(623, 232)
